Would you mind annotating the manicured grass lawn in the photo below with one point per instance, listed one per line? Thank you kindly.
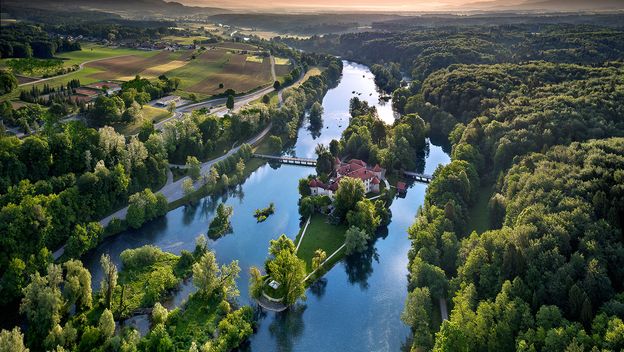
(149, 113)
(320, 234)
(479, 213)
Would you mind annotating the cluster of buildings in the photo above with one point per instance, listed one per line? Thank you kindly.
(355, 168)
(87, 93)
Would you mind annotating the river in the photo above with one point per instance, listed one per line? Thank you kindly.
(357, 305)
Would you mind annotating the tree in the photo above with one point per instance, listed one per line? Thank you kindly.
(316, 115)
(210, 279)
(106, 324)
(287, 269)
(350, 191)
(306, 207)
(282, 243)
(8, 82)
(133, 113)
(240, 168)
(43, 303)
(211, 178)
(275, 142)
(159, 314)
(187, 187)
(109, 281)
(356, 240)
(171, 107)
(221, 225)
(230, 102)
(304, 187)
(417, 315)
(77, 286)
(364, 216)
(84, 238)
(12, 341)
(276, 85)
(334, 147)
(256, 282)
(318, 258)
(193, 167)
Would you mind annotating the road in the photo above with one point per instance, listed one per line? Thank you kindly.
(173, 190)
(219, 103)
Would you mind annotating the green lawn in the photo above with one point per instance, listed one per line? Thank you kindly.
(95, 52)
(320, 234)
(89, 52)
(149, 113)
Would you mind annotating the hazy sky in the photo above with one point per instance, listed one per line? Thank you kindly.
(327, 5)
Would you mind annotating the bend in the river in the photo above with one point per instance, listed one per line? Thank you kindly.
(357, 305)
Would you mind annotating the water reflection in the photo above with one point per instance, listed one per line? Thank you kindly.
(357, 304)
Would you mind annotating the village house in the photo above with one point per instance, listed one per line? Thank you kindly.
(370, 176)
(111, 87)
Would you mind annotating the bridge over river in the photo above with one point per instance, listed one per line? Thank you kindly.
(419, 177)
(288, 159)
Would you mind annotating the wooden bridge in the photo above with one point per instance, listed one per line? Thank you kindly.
(418, 177)
(288, 159)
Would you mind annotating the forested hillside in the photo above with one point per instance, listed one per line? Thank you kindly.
(521, 233)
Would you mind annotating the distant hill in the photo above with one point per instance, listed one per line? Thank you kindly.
(136, 7)
(546, 5)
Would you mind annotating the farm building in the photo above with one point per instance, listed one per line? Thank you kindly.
(111, 87)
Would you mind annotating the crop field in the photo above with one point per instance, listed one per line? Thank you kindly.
(185, 40)
(237, 46)
(282, 61)
(282, 67)
(203, 75)
(253, 58)
(126, 67)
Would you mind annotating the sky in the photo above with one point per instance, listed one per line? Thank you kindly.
(328, 5)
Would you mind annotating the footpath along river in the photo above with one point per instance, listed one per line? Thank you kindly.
(357, 305)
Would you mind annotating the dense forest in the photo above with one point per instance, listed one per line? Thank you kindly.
(58, 183)
(26, 41)
(522, 233)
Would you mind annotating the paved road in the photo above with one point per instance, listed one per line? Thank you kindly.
(173, 190)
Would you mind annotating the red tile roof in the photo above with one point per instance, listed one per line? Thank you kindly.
(375, 181)
(377, 168)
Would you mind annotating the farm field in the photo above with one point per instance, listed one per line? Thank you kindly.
(185, 40)
(282, 67)
(127, 67)
(201, 76)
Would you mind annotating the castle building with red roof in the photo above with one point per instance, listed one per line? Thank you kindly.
(370, 176)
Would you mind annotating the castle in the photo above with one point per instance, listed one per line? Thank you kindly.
(355, 168)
